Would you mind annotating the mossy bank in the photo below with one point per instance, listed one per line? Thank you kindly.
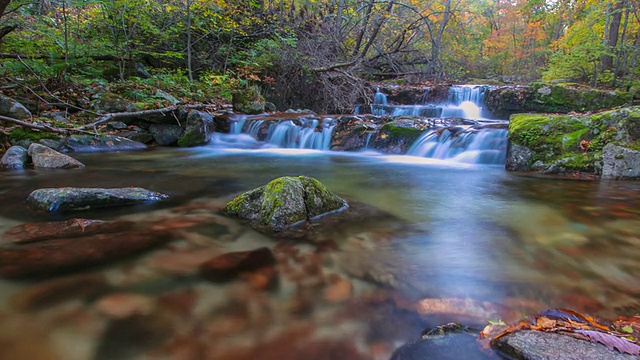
(565, 144)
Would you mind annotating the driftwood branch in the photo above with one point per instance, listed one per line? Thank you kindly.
(46, 128)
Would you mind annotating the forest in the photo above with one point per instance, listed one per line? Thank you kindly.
(313, 54)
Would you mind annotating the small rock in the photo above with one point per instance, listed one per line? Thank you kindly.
(124, 305)
(15, 158)
(166, 135)
(228, 266)
(117, 125)
(76, 199)
(539, 345)
(45, 157)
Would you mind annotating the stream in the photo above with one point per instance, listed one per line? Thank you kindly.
(477, 234)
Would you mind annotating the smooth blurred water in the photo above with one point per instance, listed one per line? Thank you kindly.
(479, 232)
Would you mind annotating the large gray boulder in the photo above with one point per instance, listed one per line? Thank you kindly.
(95, 143)
(284, 202)
(539, 345)
(12, 108)
(15, 158)
(198, 130)
(45, 157)
(166, 135)
(620, 163)
(76, 199)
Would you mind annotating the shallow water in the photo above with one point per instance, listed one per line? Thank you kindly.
(475, 233)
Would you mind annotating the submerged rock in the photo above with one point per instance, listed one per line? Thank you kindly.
(45, 157)
(539, 345)
(47, 258)
(76, 199)
(32, 232)
(230, 265)
(51, 292)
(15, 158)
(284, 202)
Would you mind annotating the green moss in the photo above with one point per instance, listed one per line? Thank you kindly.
(191, 138)
(404, 132)
(28, 134)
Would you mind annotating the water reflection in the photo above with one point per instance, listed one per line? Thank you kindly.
(452, 230)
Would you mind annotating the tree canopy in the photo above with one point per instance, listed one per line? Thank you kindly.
(321, 54)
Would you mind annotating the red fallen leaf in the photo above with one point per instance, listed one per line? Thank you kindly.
(612, 342)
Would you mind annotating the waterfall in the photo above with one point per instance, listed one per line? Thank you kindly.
(236, 123)
(463, 101)
(467, 145)
(302, 133)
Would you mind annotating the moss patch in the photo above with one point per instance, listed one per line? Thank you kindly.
(28, 134)
(573, 142)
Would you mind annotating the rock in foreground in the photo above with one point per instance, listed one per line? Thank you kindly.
(284, 202)
(539, 345)
(76, 199)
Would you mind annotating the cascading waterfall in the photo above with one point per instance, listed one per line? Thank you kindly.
(467, 145)
(302, 133)
(463, 101)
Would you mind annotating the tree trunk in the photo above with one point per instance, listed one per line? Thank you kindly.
(189, 60)
(611, 35)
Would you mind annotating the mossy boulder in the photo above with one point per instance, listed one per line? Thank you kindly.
(569, 143)
(198, 129)
(248, 101)
(545, 98)
(284, 202)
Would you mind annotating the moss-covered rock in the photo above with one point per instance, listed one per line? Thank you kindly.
(569, 143)
(283, 202)
(544, 98)
(248, 101)
(198, 129)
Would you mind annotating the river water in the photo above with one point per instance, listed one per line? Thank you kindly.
(502, 243)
